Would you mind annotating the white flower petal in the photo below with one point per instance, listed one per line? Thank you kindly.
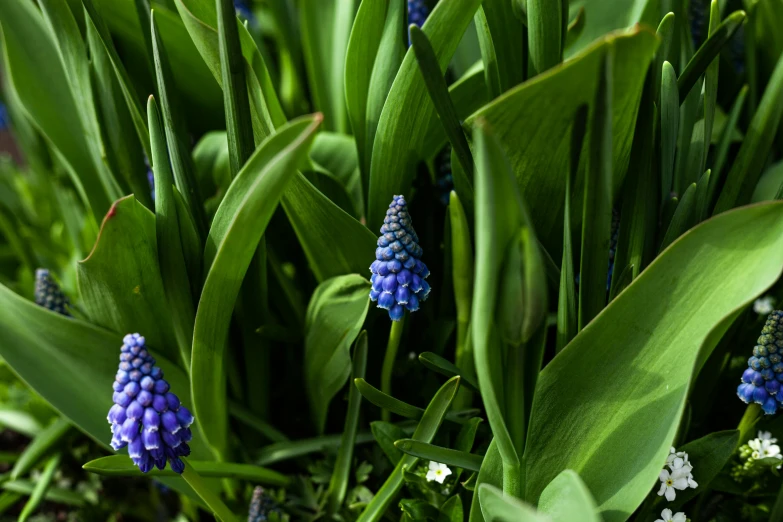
(679, 517)
(431, 475)
(670, 494)
(681, 483)
(433, 465)
(663, 489)
(663, 476)
(666, 513)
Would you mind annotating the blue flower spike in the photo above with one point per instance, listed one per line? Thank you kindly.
(398, 274)
(48, 293)
(763, 379)
(417, 14)
(146, 416)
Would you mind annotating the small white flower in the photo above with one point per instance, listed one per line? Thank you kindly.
(764, 305)
(667, 516)
(764, 448)
(672, 481)
(438, 472)
(765, 435)
(673, 454)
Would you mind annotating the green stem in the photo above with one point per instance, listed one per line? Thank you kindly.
(512, 480)
(395, 335)
(748, 422)
(210, 498)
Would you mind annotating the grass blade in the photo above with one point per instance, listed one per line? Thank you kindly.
(210, 498)
(683, 217)
(442, 366)
(455, 458)
(597, 210)
(710, 89)
(338, 485)
(722, 150)
(462, 275)
(704, 56)
(439, 94)
(40, 446)
(670, 121)
(545, 33)
(41, 487)
(425, 432)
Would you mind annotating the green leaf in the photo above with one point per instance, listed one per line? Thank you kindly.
(39, 79)
(171, 259)
(712, 452)
(700, 210)
(207, 495)
(495, 505)
(670, 121)
(41, 444)
(425, 432)
(665, 32)
(63, 360)
(545, 33)
(722, 149)
(338, 485)
(488, 53)
(567, 498)
(337, 153)
(683, 218)
(282, 451)
(322, 226)
(237, 228)
(334, 318)
(491, 473)
(455, 458)
(575, 29)
(451, 510)
(122, 466)
(535, 135)
(385, 434)
(710, 88)
(235, 98)
(597, 208)
(658, 363)
(709, 50)
(507, 33)
(442, 366)
(176, 136)
(567, 306)
(439, 94)
(67, 497)
(120, 283)
(602, 18)
(41, 487)
(462, 279)
(398, 143)
(403, 409)
(418, 509)
(20, 422)
(752, 156)
(360, 57)
(325, 30)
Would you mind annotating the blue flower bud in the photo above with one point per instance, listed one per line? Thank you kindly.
(48, 293)
(146, 416)
(398, 273)
(761, 381)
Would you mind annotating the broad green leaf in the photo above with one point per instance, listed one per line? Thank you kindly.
(719, 36)
(334, 318)
(70, 363)
(567, 498)
(451, 510)
(235, 98)
(508, 40)
(425, 432)
(545, 33)
(325, 30)
(711, 452)
(363, 44)
(397, 144)
(497, 506)
(535, 135)
(41, 486)
(567, 305)
(657, 365)
(491, 473)
(597, 208)
(322, 226)
(122, 466)
(439, 94)
(769, 184)
(120, 283)
(452, 457)
(174, 124)
(171, 259)
(41, 83)
(39, 447)
(338, 485)
(602, 17)
(575, 28)
(670, 121)
(752, 156)
(442, 366)
(237, 228)
(385, 434)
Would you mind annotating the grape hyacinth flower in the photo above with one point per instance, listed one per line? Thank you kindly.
(261, 505)
(244, 12)
(398, 275)
(146, 416)
(764, 305)
(48, 293)
(417, 14)
(762, 380)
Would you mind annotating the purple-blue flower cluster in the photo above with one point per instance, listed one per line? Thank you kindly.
(417, 14)
(763, 380)
(398, 275)
(146, 416)
(48, 293)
